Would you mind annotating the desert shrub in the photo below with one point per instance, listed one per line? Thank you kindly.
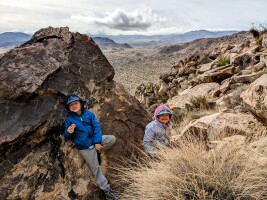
(257, 32)
(222, 61)
(178, 115)
(190, 172)
(199, 102)
(254, 32)
(259, 40)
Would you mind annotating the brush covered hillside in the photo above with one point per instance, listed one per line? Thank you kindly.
(217, 91)
(145, 65)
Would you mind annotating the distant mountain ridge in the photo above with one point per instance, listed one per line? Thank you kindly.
(11, 39)
(106, 43)
(157, 40)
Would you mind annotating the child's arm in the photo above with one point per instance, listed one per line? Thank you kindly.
(69, 129)
(97, 135)
(148, 141)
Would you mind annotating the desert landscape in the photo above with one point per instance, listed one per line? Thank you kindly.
(133, 100)
(145, 65)
(216, 88)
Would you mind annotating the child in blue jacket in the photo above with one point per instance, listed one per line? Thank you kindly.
(82, 126)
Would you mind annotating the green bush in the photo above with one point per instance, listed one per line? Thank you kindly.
(199, 102)
(222, 61)
(178, 115)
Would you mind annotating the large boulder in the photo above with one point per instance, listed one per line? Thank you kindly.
(218, 74)
(182, 99)
(247, 78)
(255, 97)
(220, 125)
(243, 152)
(245, 59)
(35, 160)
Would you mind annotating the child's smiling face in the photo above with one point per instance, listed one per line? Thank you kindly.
(75, 107)
(164, 118)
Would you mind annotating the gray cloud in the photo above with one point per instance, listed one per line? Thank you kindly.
(140, 19)
(133, 18)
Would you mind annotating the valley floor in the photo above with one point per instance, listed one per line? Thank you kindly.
(136, 66)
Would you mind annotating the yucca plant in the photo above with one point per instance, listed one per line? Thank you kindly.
(222, 61)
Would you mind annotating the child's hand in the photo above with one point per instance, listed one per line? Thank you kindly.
(98, 147)
(175, 142)
(71, 128)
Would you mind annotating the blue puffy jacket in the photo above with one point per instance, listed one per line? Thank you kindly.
(87, 131)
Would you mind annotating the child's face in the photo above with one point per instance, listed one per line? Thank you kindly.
(164, 118)
(75, 106)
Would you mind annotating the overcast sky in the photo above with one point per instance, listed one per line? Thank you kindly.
(130, 16)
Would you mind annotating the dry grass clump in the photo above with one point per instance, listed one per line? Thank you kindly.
(199, 102)
(254, 32)
(190, 172)
(257, 33)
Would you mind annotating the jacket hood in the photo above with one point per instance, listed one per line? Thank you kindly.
(159, 109)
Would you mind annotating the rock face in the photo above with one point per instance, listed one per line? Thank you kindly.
(232, 66)
(35, 160)
(184, 97)
(221, 125)
(255, 97)
(254, 153)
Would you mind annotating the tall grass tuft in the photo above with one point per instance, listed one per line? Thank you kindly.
(191, 172)
(222, 61)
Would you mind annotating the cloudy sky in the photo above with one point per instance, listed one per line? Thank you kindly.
(132, 16)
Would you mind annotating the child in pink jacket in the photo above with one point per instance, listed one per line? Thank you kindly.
(158, 131)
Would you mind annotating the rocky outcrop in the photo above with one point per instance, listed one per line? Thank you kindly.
(219, 76)
(233, 77)
(254, 152)
(36, 162)
(230, 65)
(220, 125)
(255, 97)
(183, 98)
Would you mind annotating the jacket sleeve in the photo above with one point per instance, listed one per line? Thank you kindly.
(148, 141)
(97, 133)
(66, 134)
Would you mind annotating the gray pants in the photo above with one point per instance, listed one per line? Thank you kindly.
(90, 156)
